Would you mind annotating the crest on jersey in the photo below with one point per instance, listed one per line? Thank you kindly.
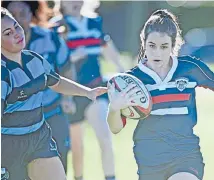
(181, 83)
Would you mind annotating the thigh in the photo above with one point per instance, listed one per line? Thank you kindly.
(76, 135)
(46, 168)
(183, 176)
(96, 114)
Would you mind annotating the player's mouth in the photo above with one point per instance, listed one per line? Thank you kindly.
(20, 41)
(156, 60)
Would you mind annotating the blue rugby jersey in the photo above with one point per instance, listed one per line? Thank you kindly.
(86, 33)
(168, 132)
(54, 49)
(22, 92)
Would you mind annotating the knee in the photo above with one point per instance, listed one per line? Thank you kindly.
(184, 176)
(105, 144)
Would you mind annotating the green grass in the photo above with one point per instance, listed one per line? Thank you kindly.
(124, 160)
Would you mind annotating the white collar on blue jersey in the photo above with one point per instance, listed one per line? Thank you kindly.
(155, 76)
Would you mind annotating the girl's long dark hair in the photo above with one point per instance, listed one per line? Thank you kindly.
(161, 21)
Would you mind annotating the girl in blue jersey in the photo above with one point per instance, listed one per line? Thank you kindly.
(54, 49)
(165, 146)
(28, 151)
(87, 42)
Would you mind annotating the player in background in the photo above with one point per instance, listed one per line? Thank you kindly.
(27, 147)
(165, 146)
(87, 42)
(53, 48)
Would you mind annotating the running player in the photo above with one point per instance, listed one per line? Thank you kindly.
(165, 146)
(87, 42)
(49, 45)
(27, 146)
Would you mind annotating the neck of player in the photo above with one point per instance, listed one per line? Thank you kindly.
(161, 68)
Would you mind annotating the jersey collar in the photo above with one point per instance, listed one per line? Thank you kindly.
(155, 76)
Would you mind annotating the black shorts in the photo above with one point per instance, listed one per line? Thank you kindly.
(60, 132)
(82, 103)
(192, 164)
(19, 150)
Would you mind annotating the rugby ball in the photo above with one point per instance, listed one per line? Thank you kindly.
(144, 103)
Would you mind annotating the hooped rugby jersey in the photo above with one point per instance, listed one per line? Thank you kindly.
(54, 49)
(86, 33)
(22, 92)
(168, 132)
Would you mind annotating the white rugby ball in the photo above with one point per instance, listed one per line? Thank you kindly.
(144, 104)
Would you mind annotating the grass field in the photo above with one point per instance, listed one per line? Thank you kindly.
(124, 160)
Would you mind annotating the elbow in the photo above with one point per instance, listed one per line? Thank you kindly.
(116, 130)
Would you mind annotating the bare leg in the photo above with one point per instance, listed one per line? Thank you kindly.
(46, 168)
(96, 115)
(77, 148)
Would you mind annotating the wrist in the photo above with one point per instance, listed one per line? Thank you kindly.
(89, 93)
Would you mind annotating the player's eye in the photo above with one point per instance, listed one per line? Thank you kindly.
(8, 33)
(164, 47)
(152, 46)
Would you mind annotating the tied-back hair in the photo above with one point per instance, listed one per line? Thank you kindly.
(161, 21)
(5, 12)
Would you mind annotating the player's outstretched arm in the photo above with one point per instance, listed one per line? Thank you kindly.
(111, 53)
(68, 87)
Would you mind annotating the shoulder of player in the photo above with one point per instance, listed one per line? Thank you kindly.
(95, 20)
(131, 70)
(134, 70)
(40, 30)
(189, 60)
(33, 54)
(45, 32)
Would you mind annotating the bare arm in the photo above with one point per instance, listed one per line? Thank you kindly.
(71, 88)
(111, 53)
(115, 122)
